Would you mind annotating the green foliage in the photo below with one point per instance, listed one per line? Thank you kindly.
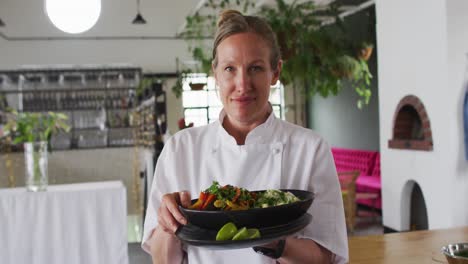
(34, 127)
(314, 56)
(177, 88)
(145, 83)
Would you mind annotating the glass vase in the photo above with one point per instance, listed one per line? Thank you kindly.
(35, 157)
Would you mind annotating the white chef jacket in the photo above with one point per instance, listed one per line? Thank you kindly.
(276, 155)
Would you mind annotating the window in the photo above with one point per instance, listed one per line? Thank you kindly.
(202, 106)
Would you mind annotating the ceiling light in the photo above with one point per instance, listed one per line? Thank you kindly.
(139, 20)
(73, 16)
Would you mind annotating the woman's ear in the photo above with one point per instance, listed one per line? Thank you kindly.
(277, 72)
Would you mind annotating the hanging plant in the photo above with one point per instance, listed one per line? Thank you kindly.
(197, 86)
(178, 86)
(366, 51)
(316, 57)
(147, 87)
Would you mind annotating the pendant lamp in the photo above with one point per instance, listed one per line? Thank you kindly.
(73, 16)
(1, 23)
(139, 20)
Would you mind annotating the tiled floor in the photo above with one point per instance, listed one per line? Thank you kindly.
(136, 255)
(368, 223)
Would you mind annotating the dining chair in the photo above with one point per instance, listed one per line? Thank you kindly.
(348, 192)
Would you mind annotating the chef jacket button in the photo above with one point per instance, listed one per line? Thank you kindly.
(276, 151)
(213, 151)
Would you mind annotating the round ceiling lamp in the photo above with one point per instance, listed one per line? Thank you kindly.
(73, 16)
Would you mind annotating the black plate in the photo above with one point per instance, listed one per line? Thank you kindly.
(256, 217)
(196, 236)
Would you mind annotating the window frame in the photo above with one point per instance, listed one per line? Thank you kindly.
(210, 87)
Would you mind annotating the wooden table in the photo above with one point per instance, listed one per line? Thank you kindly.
(409, 247)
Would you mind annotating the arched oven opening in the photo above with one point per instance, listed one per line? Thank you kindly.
(411, 126)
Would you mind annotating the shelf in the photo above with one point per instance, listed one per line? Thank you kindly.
(71, 90)
(86, 128)
(122, 127)
(77, 109)
(81, 93)
(98, 128)
(77, 70)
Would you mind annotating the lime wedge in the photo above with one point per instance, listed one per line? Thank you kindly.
(226, 232)
(253, 233)
(241, 234)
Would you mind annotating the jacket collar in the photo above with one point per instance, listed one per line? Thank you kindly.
(262, 134)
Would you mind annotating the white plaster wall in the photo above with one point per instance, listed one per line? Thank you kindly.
(458, 83)
(151, 55)
(173, 106)
(412, 59)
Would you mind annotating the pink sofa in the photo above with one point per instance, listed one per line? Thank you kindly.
(368, 163)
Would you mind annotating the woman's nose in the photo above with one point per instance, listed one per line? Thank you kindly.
(243, 82)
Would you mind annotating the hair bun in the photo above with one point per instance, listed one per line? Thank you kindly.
(227, 15)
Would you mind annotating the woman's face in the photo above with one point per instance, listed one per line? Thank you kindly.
(244, 76)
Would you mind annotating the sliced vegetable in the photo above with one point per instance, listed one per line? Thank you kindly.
(253, 233)
(219, 204)
(230, 232)
(238, 193)
(226, 232)
(241, 234)
(208, 201)
(236, 207)
(230, 197)
(199, 203)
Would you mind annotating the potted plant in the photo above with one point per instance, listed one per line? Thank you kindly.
(35, 131)
(143, 88)
(178, 86)
(315, 56)
(147, 87)
(202, 65)
(366, 51)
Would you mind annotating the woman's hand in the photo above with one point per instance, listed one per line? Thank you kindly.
(165, 247)
(169, 215)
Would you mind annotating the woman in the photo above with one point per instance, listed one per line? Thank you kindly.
(250, 148)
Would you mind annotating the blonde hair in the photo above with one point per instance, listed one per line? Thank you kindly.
(232, 22)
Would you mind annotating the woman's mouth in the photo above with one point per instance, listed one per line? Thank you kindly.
(243, 100)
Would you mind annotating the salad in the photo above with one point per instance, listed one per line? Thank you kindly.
(231, 198)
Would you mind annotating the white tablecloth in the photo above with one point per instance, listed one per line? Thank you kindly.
(83, 223)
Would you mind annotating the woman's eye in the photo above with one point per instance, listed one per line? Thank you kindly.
(229, 69)
(256, 68)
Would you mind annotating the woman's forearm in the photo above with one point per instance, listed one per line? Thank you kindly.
(165, 247)
(304, 251)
